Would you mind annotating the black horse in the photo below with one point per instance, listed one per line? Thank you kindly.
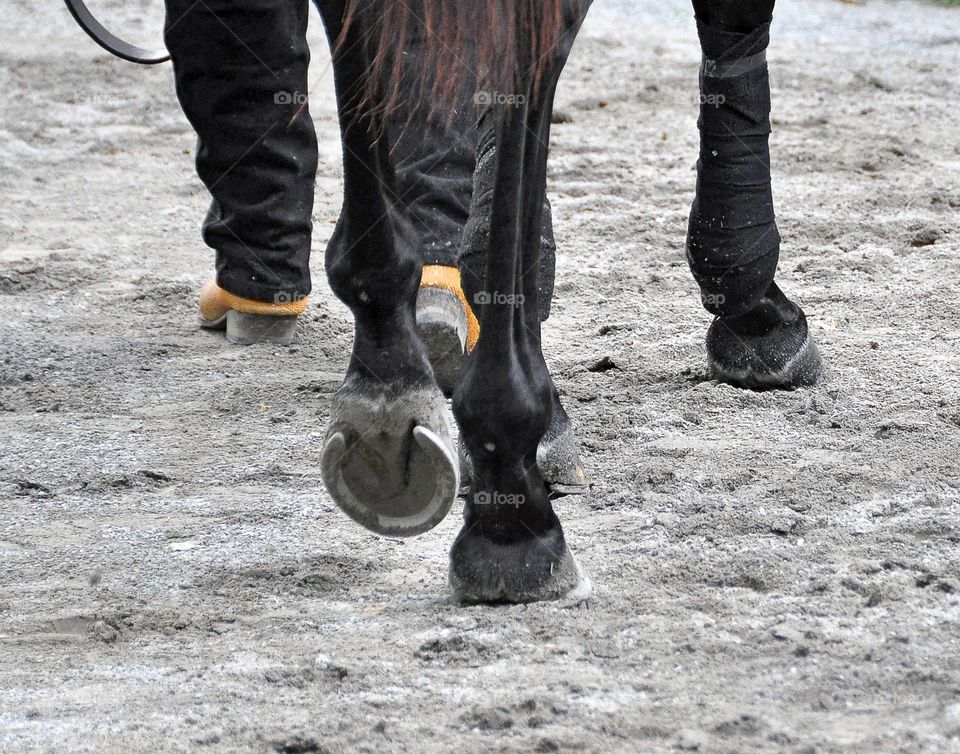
(389, 459)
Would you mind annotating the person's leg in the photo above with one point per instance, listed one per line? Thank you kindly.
(434, 160)
(434, 169)
(241, 75)
(759, 338)
(474, 248)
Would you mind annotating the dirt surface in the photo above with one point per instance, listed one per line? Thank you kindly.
(773, 572)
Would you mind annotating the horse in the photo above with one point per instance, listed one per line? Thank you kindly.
(389, 459)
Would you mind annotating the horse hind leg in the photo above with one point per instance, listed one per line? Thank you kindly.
(759, 338)
(388, 459)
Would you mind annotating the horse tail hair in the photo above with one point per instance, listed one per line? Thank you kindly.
(442, 53)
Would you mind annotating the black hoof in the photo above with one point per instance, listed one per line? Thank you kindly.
(532, 569)
(388, 460)
(770, 347)
(558, 456)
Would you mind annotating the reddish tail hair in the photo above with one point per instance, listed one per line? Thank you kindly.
(459, 48)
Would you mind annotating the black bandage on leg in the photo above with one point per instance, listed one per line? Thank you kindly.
(473, 249)
(733, 243)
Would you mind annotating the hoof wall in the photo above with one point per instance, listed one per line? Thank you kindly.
(442, 327)
(776, 360)
(559, 461)
(557, 458)
(538, 569)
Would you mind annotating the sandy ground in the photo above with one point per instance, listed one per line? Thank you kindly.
(774, 572)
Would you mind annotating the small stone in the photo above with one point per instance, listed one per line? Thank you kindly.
(785, 633)
(783, 525)
(296, 745)
(329, 668)
(603, 365)
(488, 719)
(104, 632)
(926, 237)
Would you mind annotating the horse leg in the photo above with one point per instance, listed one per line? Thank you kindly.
(558, 455)
(388, 460)
(759, 338)
(445, 179)
(512, 547)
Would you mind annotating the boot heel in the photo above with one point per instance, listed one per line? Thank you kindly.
(249, 329)
(442, 326)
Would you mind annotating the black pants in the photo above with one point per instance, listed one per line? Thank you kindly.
(241, 76)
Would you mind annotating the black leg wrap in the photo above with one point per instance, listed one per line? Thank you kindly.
(473, 250)
(733, 243)
(760, 338)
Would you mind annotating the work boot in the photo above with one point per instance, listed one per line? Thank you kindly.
(246, 321)
(446, 323)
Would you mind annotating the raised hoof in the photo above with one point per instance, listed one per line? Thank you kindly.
(783, 357)
(535, 569)
(388, 460)
(442, 327)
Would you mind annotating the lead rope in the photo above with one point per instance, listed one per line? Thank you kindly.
(110, 42)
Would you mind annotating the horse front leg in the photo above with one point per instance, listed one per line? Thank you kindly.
(759, 338)
(388, 460)
(558, 455)
(512, 547)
